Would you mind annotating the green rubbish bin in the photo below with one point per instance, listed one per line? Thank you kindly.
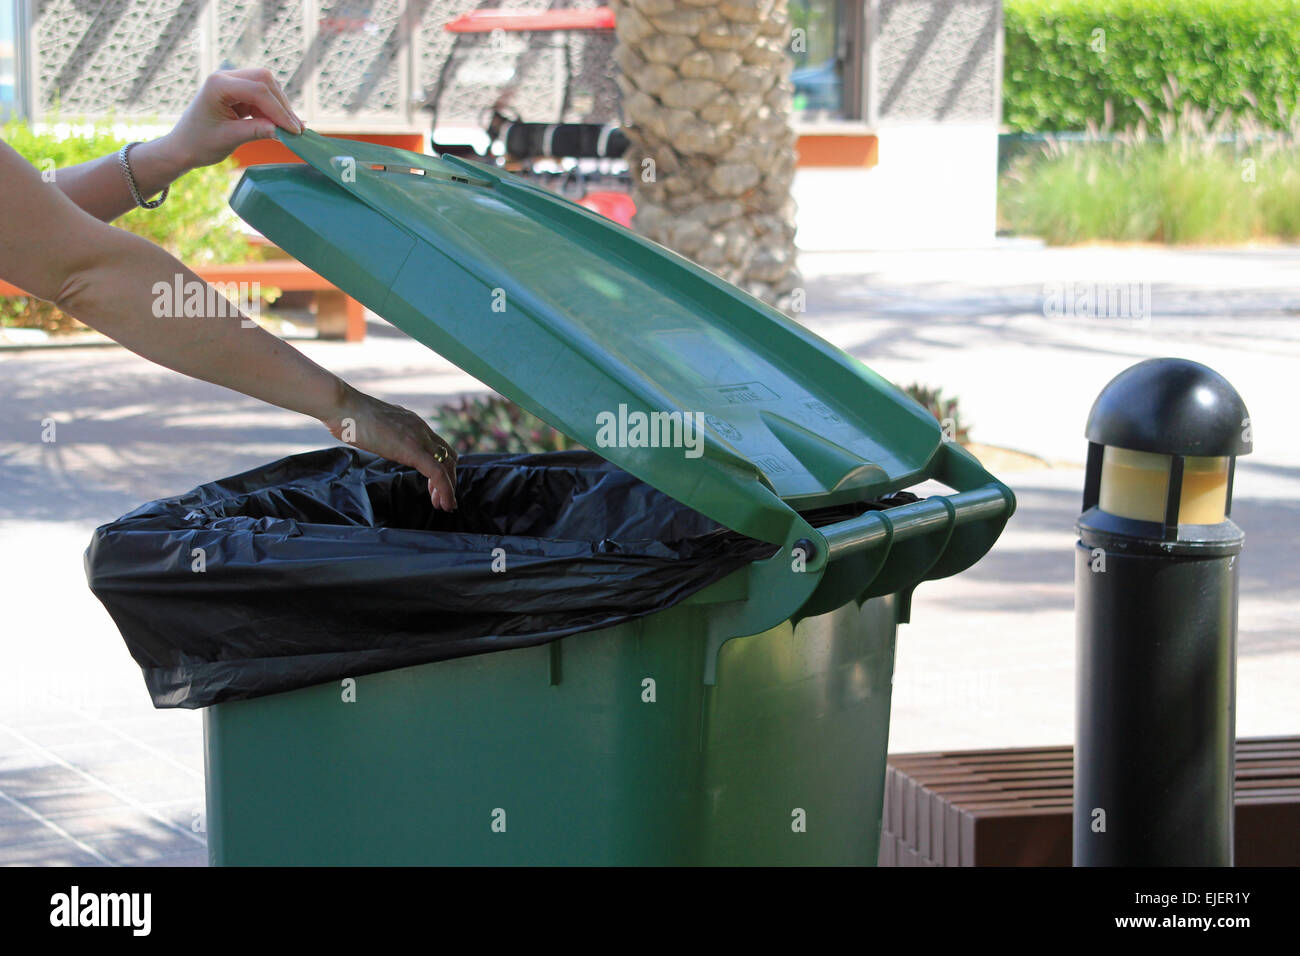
(746, 724)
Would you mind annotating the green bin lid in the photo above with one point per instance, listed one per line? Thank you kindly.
(614, 340)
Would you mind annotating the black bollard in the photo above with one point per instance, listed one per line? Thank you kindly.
(1156, 620)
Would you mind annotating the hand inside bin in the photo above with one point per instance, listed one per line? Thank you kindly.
(399, 434)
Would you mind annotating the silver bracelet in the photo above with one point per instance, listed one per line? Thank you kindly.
(130, 181)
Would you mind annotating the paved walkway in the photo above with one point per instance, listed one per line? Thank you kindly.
(90, 773)
(989, 659)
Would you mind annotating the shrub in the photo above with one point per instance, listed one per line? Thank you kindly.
(493, 423)
(1197, 179)
(943, 409)
(1065, 59)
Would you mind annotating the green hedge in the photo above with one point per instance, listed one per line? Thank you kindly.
(1060, 71)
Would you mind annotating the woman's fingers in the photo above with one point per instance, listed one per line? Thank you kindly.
(446, 457)
(397, 433)
(441, 472)
(260, 74)
(234, 92)
(434, 458)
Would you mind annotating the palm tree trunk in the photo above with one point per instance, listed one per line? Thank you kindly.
(707, 103)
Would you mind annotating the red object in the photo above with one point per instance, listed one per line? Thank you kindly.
(616, 206)
(839, 149)
(261, 151)
(485, 21)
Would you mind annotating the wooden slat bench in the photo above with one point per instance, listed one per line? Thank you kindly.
(338, 315)
(1013, 807)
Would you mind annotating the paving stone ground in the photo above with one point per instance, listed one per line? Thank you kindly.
(91, 774)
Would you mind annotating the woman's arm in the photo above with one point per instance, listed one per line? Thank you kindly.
(105, 277)
(231, 108)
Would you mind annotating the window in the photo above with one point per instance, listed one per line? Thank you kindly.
(8, 71)
(823, 71)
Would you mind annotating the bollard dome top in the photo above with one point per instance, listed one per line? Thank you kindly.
(1171, 406)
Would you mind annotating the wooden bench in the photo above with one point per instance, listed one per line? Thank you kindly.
(338, 315)
(1013, 807)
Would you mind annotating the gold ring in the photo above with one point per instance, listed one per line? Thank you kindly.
(440, 454)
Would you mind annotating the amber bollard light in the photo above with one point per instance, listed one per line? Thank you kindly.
(1156, 620)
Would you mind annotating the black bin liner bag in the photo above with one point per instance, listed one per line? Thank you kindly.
(335, 564)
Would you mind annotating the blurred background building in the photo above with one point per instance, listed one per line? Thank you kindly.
(897, 101)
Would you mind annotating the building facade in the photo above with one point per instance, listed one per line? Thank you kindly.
(898, 100)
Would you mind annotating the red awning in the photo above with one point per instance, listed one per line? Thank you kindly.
(485, 21)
